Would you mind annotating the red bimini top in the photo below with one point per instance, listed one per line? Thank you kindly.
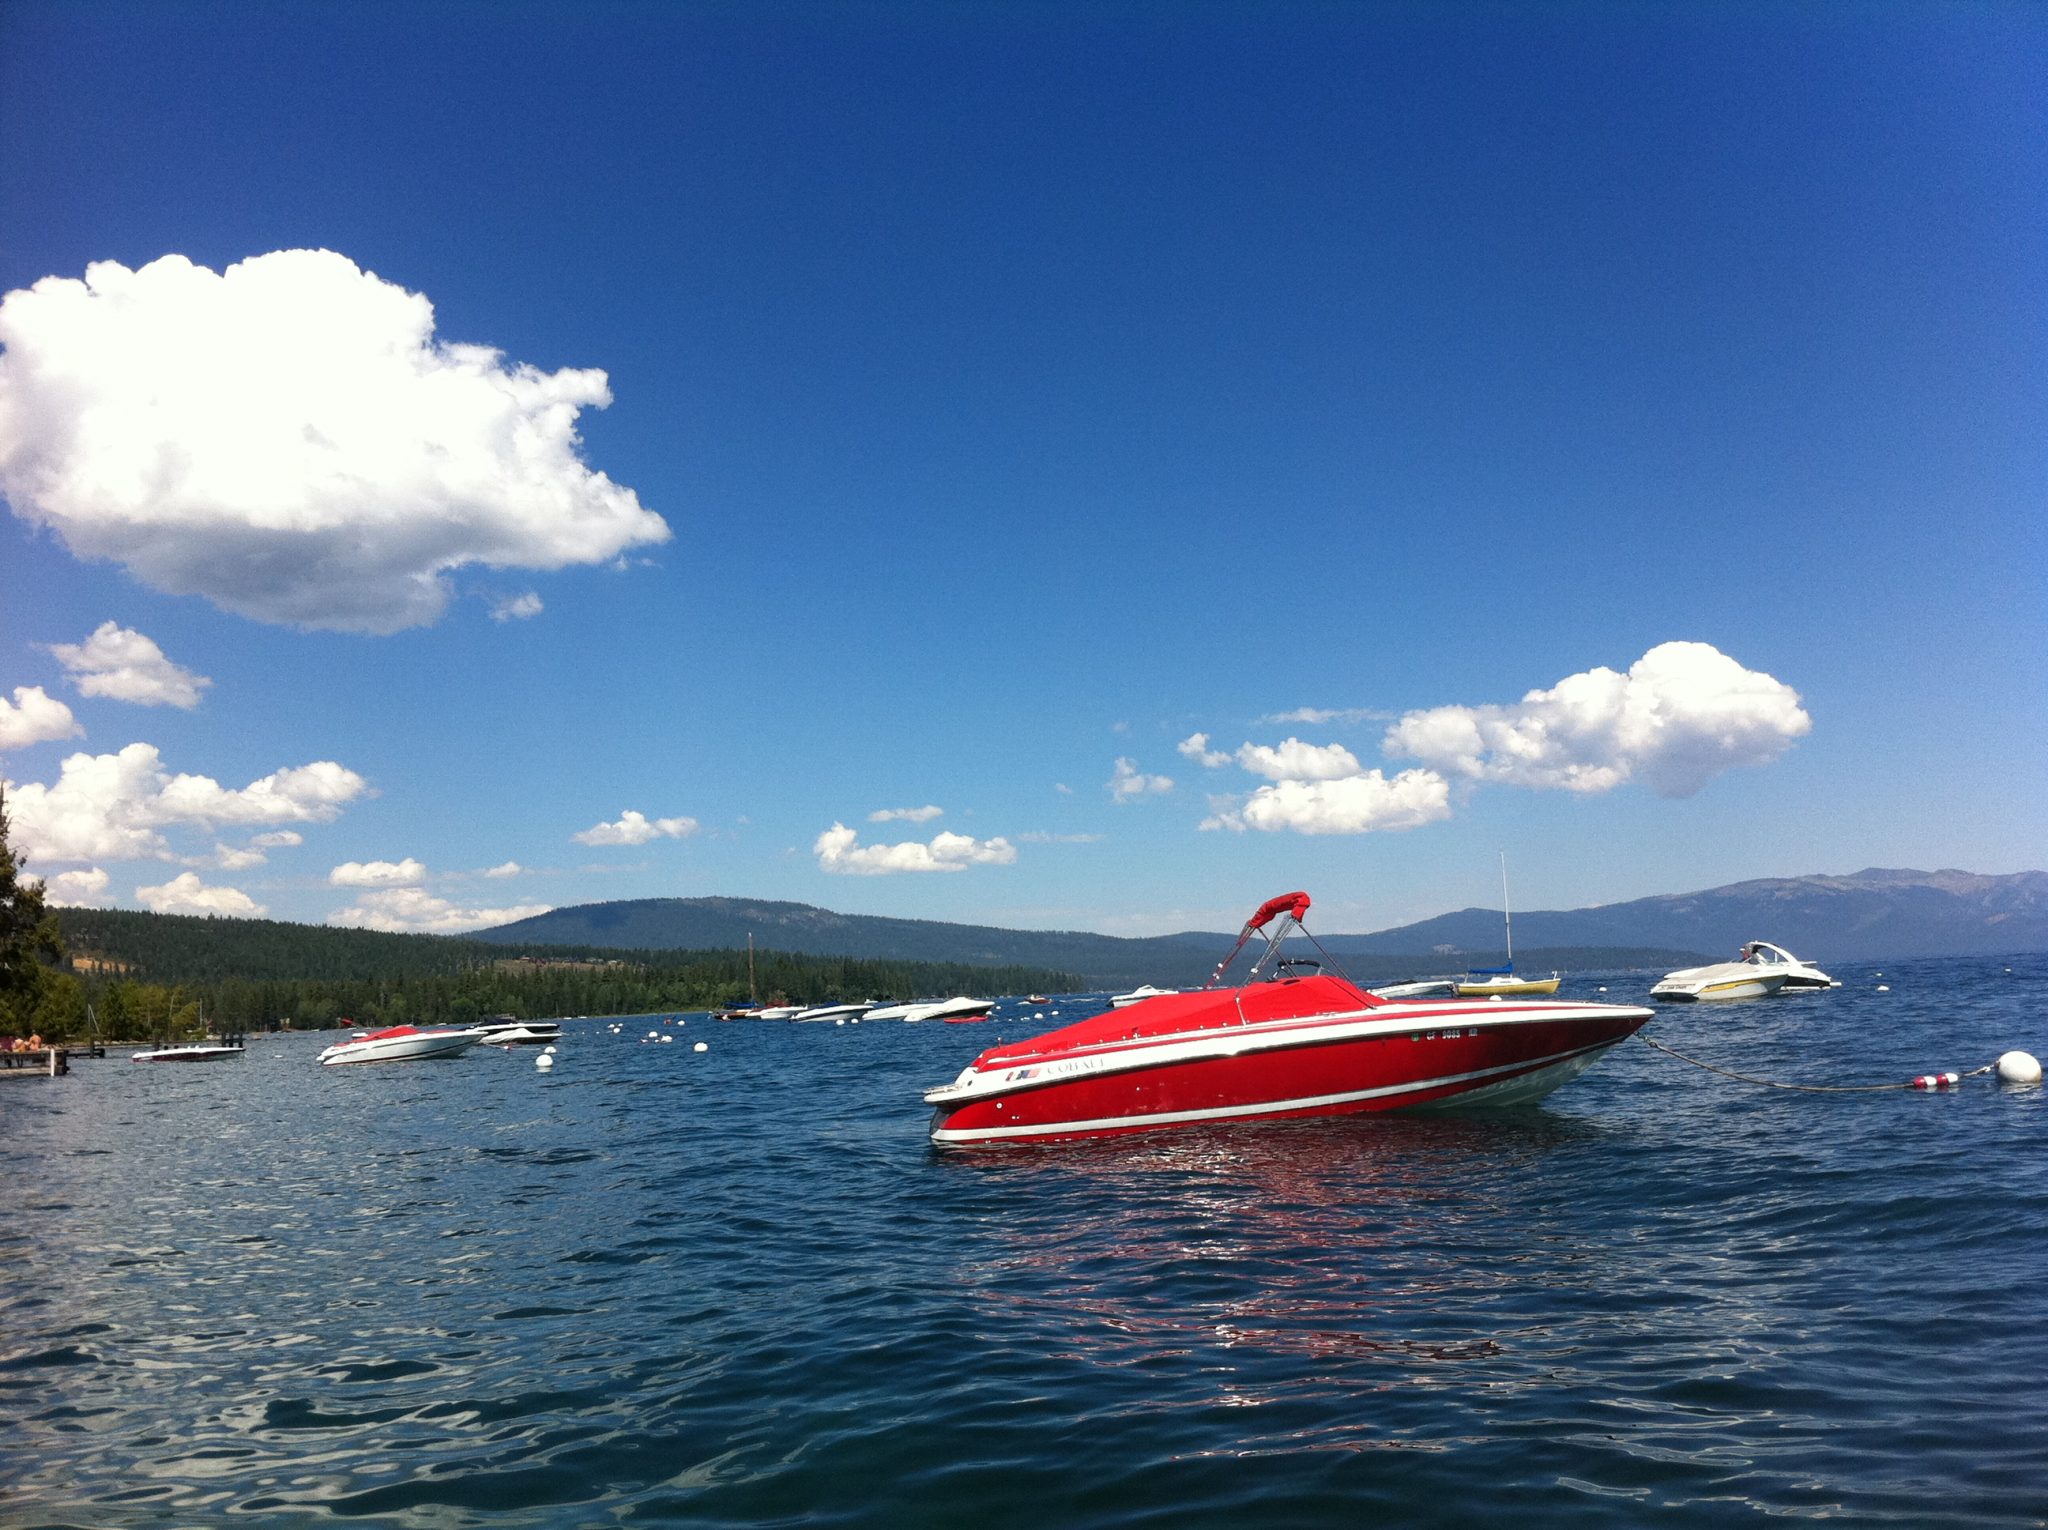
(1179, 1014)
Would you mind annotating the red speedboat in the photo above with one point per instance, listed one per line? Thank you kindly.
(1303, 1042)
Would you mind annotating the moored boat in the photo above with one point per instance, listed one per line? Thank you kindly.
(191, 1051)
(1139, 995)
(954, 1010)
(401, 1043)
(1799, 976)
(504, 1031)
(1717, 981)
(1503, 982)
(1485, 982)
(1301, 1043)
(831, 1012)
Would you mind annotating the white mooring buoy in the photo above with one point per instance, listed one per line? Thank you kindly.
(543, 1062)
(1884, 988)
(702, 1046)
(2019, 1068)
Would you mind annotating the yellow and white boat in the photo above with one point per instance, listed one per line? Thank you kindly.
(1484, 983)
(1501, 982)
(1722, 980)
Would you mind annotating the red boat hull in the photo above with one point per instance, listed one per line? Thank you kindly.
(1353, 1055)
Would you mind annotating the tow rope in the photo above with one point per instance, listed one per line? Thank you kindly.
(1924, 1081)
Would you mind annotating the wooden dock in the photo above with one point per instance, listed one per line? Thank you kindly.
(42, 1062)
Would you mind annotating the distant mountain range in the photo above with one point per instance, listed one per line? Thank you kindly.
(1872, 914)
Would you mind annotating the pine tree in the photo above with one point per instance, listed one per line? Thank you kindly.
(28, 930)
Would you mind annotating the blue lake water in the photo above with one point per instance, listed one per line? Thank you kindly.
(739, 1288)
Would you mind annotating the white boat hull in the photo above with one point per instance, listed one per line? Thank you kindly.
(417, 1047)
(519, 1035)
(1725, 980)
(194, 1053)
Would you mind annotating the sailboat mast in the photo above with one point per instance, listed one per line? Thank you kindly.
(753, 992)
(1506, 918)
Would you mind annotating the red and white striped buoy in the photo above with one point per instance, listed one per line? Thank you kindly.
(1937, 1081)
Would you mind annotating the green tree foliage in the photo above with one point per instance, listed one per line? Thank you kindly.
(28, 937)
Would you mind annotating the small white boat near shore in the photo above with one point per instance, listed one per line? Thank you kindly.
(401, 1043)
(189, 1051)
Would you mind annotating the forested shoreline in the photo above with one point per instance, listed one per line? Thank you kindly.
(153, 975)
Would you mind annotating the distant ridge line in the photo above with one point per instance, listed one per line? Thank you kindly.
(1875, 913)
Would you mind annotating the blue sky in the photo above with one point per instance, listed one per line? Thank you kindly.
(997, 393)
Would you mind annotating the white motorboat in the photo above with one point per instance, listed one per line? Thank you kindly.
(1721, 980)
(1799, 975)
(961, 1008)
(502, 1031)
(831, 1012)
(779, 1012)
(190, 1051)
(938, 1009)
(401, 1043)
(1138, 995)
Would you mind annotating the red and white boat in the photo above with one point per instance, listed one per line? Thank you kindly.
(401, 1043)
(1301, 1043)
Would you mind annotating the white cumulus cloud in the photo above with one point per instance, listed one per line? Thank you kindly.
(405, 873)
(1366, 803)
(75, 889)
(289, 439)
(414, 910)
(1289, 760)
(1127, 782)
(1683, 714)
(1292, 760)
(1196, 747)
(636, 828)
(508, 869)
(278, 839)
(114, 806)
(123, 665)
(840, 852)
(907, 815)
(34, 717)
(186, 894)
